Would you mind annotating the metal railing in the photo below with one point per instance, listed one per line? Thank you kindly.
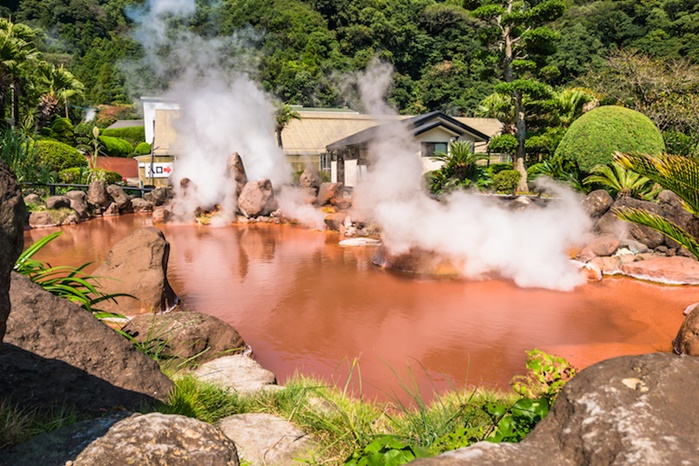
(52, 187)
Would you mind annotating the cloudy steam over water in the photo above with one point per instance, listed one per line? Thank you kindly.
(222, 111)
(482, 235)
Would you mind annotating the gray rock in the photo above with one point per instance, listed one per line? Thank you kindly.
(12, 215)
(61, 353)
(97, 196)
(57, 202)
(235, 170)
(160, 439)
(604, 245)
(328, 192)
(673, 210)
(310, 179)
(187, 335)
(597, 203)
(141, 205)
(238, 372)
(78, 202)
(645, 235)
(159, 196)
(266, 439)
(43, 219)
(112, 210)
(33, 199)
(161, 215)
(121, 199)
(257, 199)
(687, 339)
(71, 219)
(623, 411)
(137, 265)
(60, 446)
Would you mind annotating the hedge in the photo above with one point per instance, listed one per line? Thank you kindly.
(593, 138)
(58, 156)
(116, 147)
(142, 149)
(132, 133)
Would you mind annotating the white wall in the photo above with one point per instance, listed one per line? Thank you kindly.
(150, 105)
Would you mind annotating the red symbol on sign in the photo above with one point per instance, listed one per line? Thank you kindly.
(167, 169)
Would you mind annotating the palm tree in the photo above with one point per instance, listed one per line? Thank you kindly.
(284, 114)
(17, 54)
(674, 172)
(59, 85)
(460, 167)
(573, 102)
(499, 106)
(620, 181)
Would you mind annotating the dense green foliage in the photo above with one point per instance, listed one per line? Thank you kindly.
(506, 181)
(57, 156)
(133, 134)
(594, 137)
(20, 153)
(115, 147)
(142, 148)
(82, 175)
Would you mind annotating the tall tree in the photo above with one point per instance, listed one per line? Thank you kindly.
(17, 54)
(515, 31)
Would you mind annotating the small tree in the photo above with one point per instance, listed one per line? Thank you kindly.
(284, 114)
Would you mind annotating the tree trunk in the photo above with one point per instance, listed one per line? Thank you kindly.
(518, 162)
(14, 89)
(279, 137)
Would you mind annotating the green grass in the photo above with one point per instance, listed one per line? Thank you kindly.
(18, 424)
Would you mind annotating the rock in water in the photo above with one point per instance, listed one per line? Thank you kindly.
(187, 335)
(57, 352)
(236, 171)
(98, 197)
(310, 179)
(12, 215)
(160, 439)
(687, 339)
(137, 265)
(329, 192)
(121, 199)
(78, 202)
(257, 198)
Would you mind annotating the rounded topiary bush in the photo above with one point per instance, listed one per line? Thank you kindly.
(592, 139)
(116, 147)
(506, 181)
(142, 149)
(58, 156)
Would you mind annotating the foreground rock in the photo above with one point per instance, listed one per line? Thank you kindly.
(257, 198)
(625, 411)
(160, 439)
(267, 439)
(330, 192)
(137, 265)
(78, 202)
(12, 214)
(121, 199)
(186, 335)
(97, 196)
(57, 352)
(235, 170)
(669, 270)
(239, 373)
(687, 339)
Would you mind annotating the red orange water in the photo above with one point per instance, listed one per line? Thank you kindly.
(306, 304)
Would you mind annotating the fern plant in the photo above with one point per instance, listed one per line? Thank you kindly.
(673, 172)
(620, 181)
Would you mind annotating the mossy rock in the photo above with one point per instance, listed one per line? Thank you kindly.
(593, 138)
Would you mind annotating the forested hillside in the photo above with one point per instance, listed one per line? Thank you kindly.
(435, 46)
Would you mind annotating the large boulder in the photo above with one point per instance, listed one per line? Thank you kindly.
(235, 170)
(186, 335)
(687, 339)
(57, 352)
(597, 203)
(58, 202)
(669, 270)
(266, 439)
(160, 439)
(624, 411)
(137, 265)
(609, 223)
(121, 199)
(673, 209)
(159, 196)
(78, 202)
(257, 198)
(43, 219)
(141, 205)
(329, 192)
(310, 180)
(97, 196)
(12, 215)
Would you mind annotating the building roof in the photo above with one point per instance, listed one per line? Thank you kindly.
(125, 124)
(417, 124)
(316, 129)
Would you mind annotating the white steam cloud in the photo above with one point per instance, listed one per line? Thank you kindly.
(479, 233)
(222, 111)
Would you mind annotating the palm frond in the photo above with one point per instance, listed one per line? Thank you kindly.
(661, 224)
(674, 172)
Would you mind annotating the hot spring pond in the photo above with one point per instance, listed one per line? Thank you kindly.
(306, 304)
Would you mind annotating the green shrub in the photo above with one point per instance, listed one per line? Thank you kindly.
(73, 175)
(386, 450)
(496, 168)
(62, 130)
(142, 149)
(503, 144)
(58, 156)
(593, 138)
(506, 181)
(116, 147)
(135, 133)
(680, 144)
(81, 175)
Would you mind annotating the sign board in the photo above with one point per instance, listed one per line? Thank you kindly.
(160, 169)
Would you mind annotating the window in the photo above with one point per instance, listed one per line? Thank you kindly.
(429, 148)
